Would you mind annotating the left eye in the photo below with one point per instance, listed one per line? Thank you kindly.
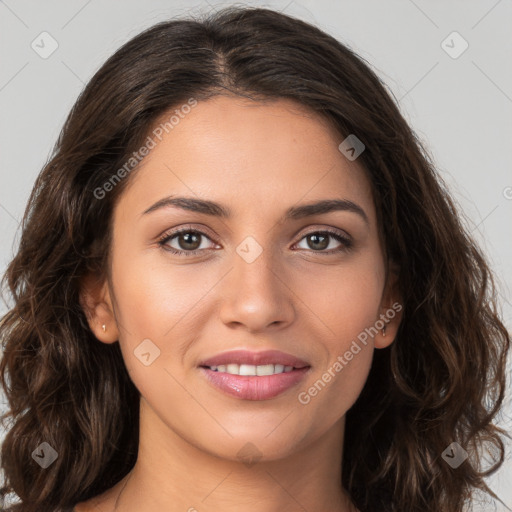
(189, 242)
(321, 239)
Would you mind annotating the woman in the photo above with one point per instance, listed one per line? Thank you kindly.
(242, 285)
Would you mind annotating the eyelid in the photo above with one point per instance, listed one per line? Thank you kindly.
(202, 229)
(315, 228)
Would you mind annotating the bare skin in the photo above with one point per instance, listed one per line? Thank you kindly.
(258, 160)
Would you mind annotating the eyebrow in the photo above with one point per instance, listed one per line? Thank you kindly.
(295, 212)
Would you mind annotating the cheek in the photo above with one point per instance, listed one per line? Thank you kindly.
(344, 299)
(156, 300)
(347, 303)
(159, 306)
(337, 386)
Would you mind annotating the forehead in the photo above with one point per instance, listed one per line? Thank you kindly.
(245, 153)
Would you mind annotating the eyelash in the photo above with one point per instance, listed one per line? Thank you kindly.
(166, 237)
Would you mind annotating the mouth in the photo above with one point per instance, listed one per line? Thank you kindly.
(254, 375)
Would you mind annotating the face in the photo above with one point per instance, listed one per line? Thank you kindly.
(189, 283)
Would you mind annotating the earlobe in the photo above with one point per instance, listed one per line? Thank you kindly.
(391, 318)
(97, 306)
(387, 334)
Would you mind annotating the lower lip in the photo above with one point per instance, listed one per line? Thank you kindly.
(254, 387)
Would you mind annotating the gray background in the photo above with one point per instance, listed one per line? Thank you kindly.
(460, 107)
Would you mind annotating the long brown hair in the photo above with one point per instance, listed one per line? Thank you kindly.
(442, 380)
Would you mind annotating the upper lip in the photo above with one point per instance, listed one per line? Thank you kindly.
(254, 358)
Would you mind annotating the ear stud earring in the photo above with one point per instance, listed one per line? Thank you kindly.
(104, 328)
(384, 331)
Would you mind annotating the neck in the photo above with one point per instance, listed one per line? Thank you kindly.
(173, 474)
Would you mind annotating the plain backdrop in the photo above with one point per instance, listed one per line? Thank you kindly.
(455, 89)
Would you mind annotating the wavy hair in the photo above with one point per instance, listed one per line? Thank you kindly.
(441, 381)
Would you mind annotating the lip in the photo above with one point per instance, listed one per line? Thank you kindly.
(254, 387)
(255, 358)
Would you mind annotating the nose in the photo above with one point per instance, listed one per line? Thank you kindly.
(257, 295)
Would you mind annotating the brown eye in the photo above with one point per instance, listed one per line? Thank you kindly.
(319, 241)
(187, 242)
(190, 241)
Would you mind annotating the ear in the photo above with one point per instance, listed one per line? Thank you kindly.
(97, 306)
(391, 309)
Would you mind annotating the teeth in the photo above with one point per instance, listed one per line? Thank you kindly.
(250, 369)
(267, 369)
(278, 368)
